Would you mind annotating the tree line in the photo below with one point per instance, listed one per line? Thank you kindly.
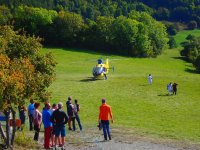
(138, 34)
(185, 11)
(191, 51)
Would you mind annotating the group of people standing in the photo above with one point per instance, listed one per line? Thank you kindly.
(171, 88)
(54, 119)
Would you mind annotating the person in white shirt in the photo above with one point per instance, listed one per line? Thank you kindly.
(150, 79)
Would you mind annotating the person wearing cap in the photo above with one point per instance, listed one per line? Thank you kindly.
(46, 113)
(105, 114)
(59, 118)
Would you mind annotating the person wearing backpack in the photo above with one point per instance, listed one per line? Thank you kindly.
(76, 116)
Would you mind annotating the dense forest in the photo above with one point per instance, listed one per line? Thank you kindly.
(185, 11)
(115, 26)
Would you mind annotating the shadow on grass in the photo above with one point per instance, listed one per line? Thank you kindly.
(163, 95)
(191, 71)
(88, 79)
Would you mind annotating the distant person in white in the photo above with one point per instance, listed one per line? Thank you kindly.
(169, 88)
(150, 79)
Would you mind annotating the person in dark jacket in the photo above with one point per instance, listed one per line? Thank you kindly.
(59, 119)
(174, 88)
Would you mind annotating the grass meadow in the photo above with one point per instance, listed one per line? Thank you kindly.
(180, 36)
(145, 109)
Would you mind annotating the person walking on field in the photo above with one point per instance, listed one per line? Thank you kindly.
(69, 112)
(76, 111)
(59, 118)
(31, 109)
(37, 119)
(150, 79)
(105, 114)
(174, 88)
(46, 115)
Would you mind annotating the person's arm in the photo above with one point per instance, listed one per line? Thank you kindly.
(66, 118)
(111, 116)
(99, 114)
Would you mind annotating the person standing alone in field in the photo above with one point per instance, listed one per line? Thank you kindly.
(105, 114)
(150, 79)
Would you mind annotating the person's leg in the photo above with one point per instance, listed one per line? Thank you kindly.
(79, 122)
(37, 130)
(73, 124)
(108, 129)
(30, 122)
(69, 123)
(63, 135)
(57, 134)
(47, 137)
(104, 129)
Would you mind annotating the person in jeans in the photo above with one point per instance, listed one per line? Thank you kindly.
(46, 115)
(59, 118)
(76, 111)
(37, 120)
(31, 109)
(69, 112)
(105, 114)
(22, 116)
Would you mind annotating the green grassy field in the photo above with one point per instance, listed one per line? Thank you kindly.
(136, 105)
(180, 37)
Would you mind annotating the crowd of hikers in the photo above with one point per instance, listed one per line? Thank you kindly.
(55, 119)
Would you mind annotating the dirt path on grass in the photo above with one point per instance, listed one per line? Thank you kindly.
(92, 139)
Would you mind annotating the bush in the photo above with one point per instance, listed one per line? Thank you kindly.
(172, 42)
(196, 64)
(192, 25)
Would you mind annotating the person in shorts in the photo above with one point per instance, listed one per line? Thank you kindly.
(59, 119)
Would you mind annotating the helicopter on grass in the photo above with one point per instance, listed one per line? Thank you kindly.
(101, 69)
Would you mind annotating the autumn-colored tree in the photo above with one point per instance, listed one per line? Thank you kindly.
(24, 73)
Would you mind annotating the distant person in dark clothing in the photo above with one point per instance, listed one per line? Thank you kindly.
(76, 111)
(59, 119)
(69, 112)
(22, 115)
(174, 88)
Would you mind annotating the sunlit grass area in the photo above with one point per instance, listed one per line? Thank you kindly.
(136, 105)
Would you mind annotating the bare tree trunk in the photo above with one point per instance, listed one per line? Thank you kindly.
(7, 114)
(2, 132)
(14, 128)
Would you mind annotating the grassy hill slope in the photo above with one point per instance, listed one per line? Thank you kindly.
(135, 104)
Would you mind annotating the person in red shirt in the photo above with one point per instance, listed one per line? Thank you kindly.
(105, 114)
